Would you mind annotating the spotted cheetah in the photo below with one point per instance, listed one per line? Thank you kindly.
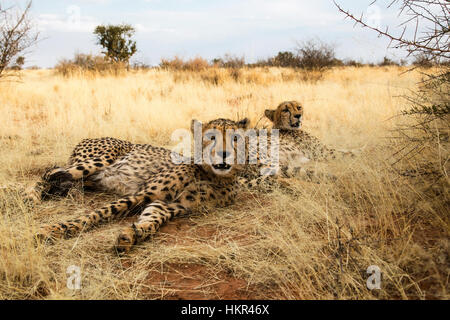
(148, 180)
(296, 148)
(294, 142)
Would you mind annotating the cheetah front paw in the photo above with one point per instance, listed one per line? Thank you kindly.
(49, 234)
(58, 183)
(126, 240)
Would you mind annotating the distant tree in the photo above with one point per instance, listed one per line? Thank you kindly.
(116, 41)
(17, 34)
(20, 61)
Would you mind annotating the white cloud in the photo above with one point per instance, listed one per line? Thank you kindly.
(146, 29)
(228, 19)
(71, 21)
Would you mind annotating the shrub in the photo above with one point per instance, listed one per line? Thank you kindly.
(286, 59)
(196, 64)
(229, 61)
(177, 63)
(386, 62)
(20, 61)
(422, 135)
(422, 60)
(139, 65)
(315, 55)
(83, 63)
(353, 63)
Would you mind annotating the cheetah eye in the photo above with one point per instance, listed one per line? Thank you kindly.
(210, 136)
(286, 110)
(299, 108)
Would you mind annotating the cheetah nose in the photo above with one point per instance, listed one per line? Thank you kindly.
(298, 116)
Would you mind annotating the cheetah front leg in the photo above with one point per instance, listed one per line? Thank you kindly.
(60, 180)
(150, 220)
(266, 179)
(265, 183)
(108, 213)
(88, 157)
(58, 186)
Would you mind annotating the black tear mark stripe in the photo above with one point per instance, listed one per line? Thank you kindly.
(290, 115)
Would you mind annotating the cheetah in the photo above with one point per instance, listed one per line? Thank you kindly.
(296, 148)
(150, 182)
(294, 142)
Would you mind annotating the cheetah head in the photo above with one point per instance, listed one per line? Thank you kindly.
(288, 115)
(220, 140)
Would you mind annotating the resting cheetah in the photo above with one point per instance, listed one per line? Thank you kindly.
(294, 142)
(296, 147)
(151, 181)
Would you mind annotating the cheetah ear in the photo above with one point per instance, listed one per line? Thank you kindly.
(244, 123)
(270, 114)
(193, 122)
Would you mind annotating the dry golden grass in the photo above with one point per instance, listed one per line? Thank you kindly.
(315, 244)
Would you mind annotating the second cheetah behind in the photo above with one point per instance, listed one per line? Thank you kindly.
(296, 148)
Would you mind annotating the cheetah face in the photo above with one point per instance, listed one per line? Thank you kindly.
(220, 141)
(288, 115)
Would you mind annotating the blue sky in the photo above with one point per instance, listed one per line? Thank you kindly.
(165, 28)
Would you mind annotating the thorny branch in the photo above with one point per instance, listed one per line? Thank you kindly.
(430, 20)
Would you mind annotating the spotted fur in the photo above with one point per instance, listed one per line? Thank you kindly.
(149, 182)
(296, 148)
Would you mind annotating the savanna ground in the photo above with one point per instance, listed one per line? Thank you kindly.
(315, 242)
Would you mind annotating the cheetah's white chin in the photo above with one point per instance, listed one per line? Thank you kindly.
(221, 169)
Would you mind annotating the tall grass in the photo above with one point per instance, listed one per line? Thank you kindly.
(315, 243)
